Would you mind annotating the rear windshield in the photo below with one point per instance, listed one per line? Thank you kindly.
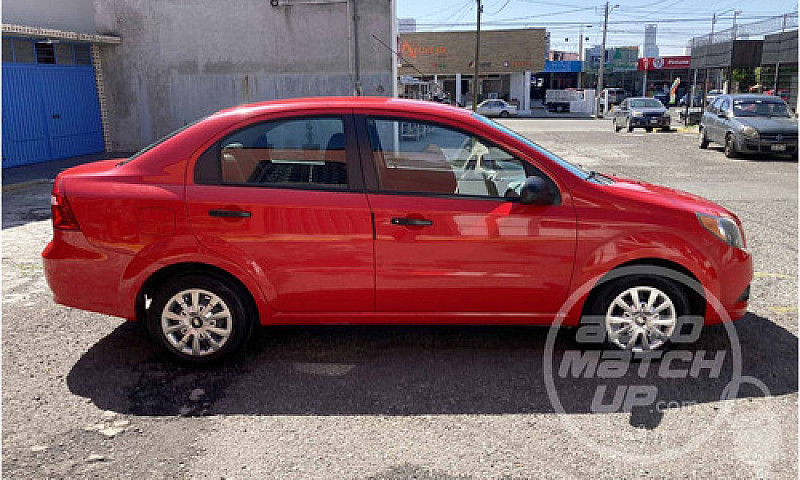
(160, 141)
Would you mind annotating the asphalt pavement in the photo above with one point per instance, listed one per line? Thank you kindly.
(85, 395)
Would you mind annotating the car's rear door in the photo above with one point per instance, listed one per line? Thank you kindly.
(450, 237)
(283, 197)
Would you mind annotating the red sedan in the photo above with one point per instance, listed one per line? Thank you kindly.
(381, 210)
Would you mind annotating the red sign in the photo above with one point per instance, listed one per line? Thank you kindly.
(665, 63)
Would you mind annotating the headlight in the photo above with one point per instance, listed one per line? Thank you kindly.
(636, 114)
(724, 228)
(750, 132)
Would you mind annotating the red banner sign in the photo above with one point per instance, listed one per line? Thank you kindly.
(665, 63)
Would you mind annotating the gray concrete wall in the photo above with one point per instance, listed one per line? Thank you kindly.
(179, 61)
(71, 15)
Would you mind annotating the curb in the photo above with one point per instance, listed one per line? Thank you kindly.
(22, 185)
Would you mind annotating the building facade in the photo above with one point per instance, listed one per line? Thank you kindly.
(507, 59)
(161, 65)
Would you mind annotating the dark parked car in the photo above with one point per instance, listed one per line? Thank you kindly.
(749, 123)
(641, 112)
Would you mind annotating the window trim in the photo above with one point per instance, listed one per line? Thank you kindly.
(355, 178)
(371, 174)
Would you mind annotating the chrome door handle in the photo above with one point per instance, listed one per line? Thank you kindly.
(412, 222)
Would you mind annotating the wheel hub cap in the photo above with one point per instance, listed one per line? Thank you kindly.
(196, 322)
(640, 318)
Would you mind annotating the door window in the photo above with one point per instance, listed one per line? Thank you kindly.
(308, 151)
(426, 158)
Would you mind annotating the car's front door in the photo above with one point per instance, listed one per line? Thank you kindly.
(450, 236)
(284, 199)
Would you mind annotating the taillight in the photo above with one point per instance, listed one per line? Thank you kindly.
(63, 218)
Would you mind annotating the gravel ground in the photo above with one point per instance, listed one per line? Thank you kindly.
(86, 395)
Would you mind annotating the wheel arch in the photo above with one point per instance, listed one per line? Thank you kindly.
(164, 274)
(697, 301)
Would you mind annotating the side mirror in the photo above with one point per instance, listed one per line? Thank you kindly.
(723, 115)
(535, 191)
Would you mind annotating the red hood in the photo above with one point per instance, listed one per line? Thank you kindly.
(668, 197)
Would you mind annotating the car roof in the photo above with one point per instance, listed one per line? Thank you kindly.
(379, 103)
(754, 96)
(641, 98)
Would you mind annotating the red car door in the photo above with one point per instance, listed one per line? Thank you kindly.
(284, 199)
(449, 236)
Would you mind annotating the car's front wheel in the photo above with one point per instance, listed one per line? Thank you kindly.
(199, 319)
(504, 114)
(617, 128)
(730, 146)
(640, 312)
(703, 139)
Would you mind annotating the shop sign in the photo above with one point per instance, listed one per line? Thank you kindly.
(412, 50)
(665, 63)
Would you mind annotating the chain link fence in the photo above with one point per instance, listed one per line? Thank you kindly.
(774, 24)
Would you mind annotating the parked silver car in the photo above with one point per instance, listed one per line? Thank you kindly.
(749, 123)
(641, 112)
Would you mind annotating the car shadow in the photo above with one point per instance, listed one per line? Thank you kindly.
(405, 370)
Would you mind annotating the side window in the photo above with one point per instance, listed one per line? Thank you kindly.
(292, 152)
(726, 105)
(714, 107)
(419, 157)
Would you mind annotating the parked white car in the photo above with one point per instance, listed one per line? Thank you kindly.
(496, 108)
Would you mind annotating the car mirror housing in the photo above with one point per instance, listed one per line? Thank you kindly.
(536, 191)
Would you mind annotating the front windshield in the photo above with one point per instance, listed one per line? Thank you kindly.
(645, 103)
(760, 108)
(572, 168)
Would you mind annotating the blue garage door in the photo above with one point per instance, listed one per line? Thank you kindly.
(50, 106)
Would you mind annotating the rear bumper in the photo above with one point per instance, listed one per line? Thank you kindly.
(82, 276)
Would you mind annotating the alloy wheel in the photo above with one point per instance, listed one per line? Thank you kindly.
(196, 322)
(640, 318)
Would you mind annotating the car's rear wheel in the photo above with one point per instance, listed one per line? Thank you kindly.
(649, 129)
(630, 127)
(199, 319)
(730, 147)
(703, 139)
(640, 312)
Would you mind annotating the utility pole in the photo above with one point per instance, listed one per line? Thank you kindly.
(580, 56)
(477, 59)
(602, 61)
(355, 49)
(709, 46)
(733, 45)
(778, 60)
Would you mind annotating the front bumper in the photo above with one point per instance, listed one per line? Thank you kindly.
(769, 145)
(650, 122)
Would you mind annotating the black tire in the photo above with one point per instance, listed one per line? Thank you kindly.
(238, 320)
(730, 147)
(630, 127)
(504, 114)
(559, 108)
(649, 129)
(608, 293)
(703, 139)
(666, 129)
(617, 128)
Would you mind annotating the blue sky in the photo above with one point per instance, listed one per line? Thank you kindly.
(678, 20)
